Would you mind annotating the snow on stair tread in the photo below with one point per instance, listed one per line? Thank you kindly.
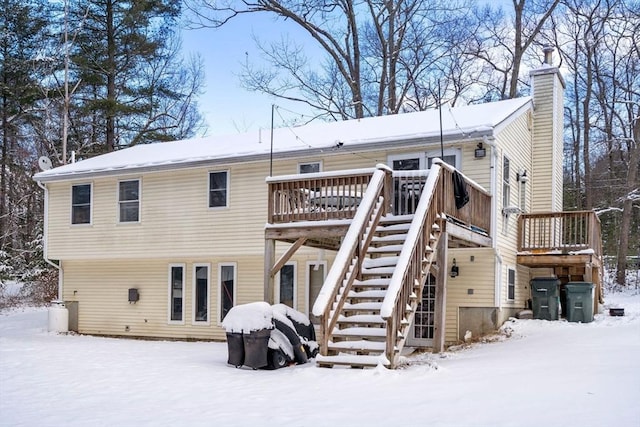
(390, 238)
(379, 262)
(352, 359)
(372, 282)
(379, 270)
(358, 345)
(384, 249)
(375, 293)
(359, 331)
(403, 226)
(397, 218)
(370, 306)
(361, 318)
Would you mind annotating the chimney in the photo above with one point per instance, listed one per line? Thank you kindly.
(548, 54)
(547, 87)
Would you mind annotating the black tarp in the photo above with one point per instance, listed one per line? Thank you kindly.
(460, 190)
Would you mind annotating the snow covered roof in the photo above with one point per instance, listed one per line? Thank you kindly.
(476, 120)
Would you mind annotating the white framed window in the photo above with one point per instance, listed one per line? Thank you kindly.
(218, 189)
(129, 201)
(452, 156)
(316, 273)
(511, 284)
(286, 285)
(506, 183)
(226, 287)
(407, 162)
(81, 197)
(176, 293)
(201, 293)
(309, 167)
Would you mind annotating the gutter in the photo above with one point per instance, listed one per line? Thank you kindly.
(45, 227)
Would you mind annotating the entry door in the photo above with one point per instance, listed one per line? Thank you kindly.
(423, 328)
(315, 280)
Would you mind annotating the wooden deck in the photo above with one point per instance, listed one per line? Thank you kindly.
(570, 243)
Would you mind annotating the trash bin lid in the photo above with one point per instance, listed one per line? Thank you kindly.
(579, 286)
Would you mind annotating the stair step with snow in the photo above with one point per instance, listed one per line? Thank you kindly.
(386, 249)
(355, 361)
(389, 239)
(362, 306)
(362, 320)
(385, 261)
(375, 294)
(378, 271)
(360, 332)
(375, 283)
(360, 346)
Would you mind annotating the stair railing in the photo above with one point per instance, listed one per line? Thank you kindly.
(410, 268)
(347, 265)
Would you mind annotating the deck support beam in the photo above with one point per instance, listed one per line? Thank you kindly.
(441, 293)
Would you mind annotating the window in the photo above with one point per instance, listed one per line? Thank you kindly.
(511, 284)
(287, 285)
(201, 293)
(227, 280)
(218, 189)
(81, 204)
(506, 188)
(451, 156)
(310, 167)
(129, 201)
(176, 293)
(407, 162)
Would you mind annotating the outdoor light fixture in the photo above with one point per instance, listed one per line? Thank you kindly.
(480, 151)
(522, 176)
(454, 269)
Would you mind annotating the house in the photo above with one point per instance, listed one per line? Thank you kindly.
(354, 223)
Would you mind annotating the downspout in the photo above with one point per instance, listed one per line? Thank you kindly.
(45, 228)
(497, 298)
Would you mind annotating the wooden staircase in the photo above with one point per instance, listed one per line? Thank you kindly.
(359, 338)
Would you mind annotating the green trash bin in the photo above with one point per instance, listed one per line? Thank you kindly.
(544, 298)
(579, 302)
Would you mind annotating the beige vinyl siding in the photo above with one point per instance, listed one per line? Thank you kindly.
(477, 275)
(547, 142)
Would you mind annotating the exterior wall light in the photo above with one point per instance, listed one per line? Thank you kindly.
(480, 151)
(454, 269)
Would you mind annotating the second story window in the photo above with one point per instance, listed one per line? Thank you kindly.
(506, 188)
(311, 167)
(81, 204)
(129, 201)
(218, 189)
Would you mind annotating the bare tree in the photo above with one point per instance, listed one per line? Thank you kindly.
(380, 57)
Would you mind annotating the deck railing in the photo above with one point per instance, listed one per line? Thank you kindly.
(316, 196)
(559, 232)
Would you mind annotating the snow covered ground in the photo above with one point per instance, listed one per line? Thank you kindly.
(537, 373)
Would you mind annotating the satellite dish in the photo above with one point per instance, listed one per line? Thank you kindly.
(44, 163)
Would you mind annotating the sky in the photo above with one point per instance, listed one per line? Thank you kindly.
(534, 373)
(226, 105)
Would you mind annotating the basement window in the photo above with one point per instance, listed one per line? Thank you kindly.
(511, 284)
(176, 293)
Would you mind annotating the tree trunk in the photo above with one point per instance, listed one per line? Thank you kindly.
(627, 206)
(111, 80)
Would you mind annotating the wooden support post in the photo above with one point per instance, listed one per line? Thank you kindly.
(441, 293)
(269, 259)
